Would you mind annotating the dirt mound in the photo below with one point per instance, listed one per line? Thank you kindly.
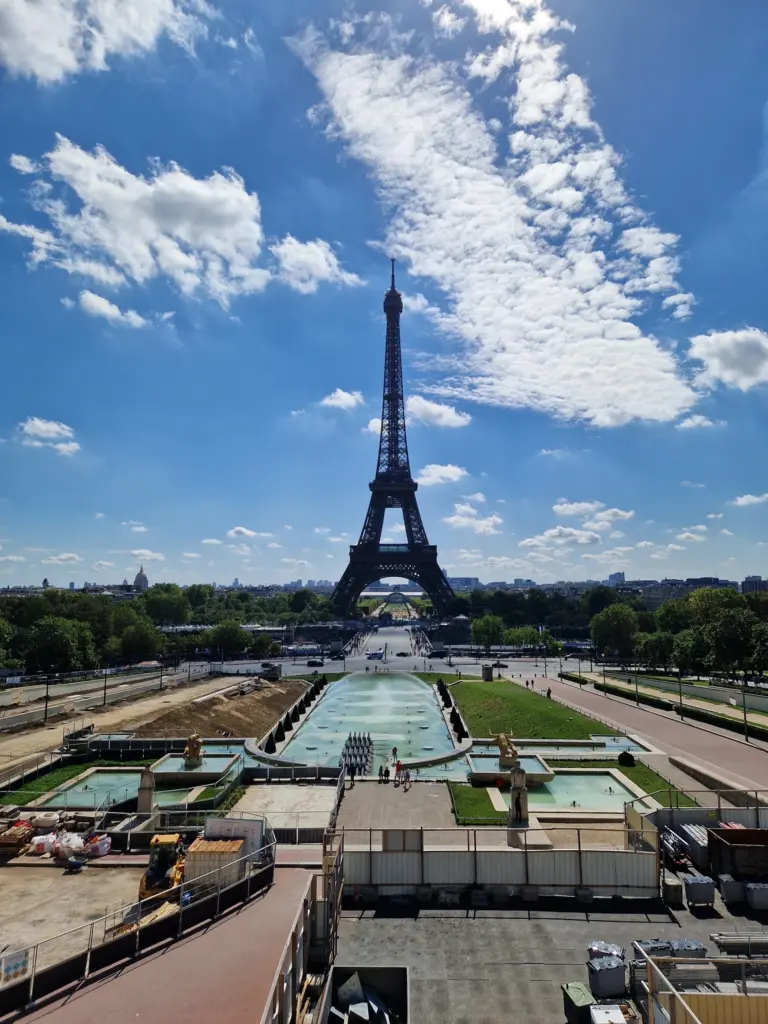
(249, 715)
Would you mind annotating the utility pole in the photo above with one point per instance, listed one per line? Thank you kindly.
(637, 687)
(105, 686)
(161, 675)
(744, 706)
(680, 689)
(47, 684)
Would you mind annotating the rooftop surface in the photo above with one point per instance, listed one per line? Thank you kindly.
(484, 966)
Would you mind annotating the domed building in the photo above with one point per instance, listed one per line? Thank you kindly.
(141, 583)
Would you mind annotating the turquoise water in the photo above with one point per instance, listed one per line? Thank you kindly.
(232, 748)
(601, 745)
(92, 791)
(397, 710)
(171, 797)
(590, 790)
(210, 763)
(490, 763)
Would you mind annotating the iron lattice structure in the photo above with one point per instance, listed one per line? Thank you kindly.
(393, 487)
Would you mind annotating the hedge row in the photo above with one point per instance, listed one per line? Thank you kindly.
(645, 698)
(759, 732)
(573, 677)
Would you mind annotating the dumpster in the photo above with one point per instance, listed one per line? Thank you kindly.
(607, 977)
(740, 852)
(577, 1000)
(365, 993)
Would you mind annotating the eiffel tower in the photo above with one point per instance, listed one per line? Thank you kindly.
(393, 487)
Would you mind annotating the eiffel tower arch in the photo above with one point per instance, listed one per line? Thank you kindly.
(393, 487)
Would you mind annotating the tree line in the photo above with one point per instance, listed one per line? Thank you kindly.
(708, 632)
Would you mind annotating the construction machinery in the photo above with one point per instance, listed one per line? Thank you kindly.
(166, 865)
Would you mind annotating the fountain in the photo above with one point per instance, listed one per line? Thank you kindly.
(193, 752)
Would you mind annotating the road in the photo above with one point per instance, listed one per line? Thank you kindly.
(88, 694)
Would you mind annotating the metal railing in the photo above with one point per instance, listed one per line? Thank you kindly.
(39, 970)
(726, 801)
(665, 1002)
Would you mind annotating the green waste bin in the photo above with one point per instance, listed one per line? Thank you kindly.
(577, 1000)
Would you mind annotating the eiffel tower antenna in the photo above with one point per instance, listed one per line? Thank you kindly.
(392, 487)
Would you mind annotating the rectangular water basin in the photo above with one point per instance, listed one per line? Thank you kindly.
(487, 766)
(171, 769)
(573, 790)
(96, 787)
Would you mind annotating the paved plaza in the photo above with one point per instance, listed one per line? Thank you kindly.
(289, 805)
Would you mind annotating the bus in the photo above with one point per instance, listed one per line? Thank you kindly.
(376, 655)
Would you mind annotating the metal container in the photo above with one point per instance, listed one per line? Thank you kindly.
(699, 890)
(731, 890)
(688, 949)
(741, 852)
(577, 1000)
(757, 895)
(223, 857)
(655, 947)
(386, 986)
(696, 839)
(597, 948)
(607, 977)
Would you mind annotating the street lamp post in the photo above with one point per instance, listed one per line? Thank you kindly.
(47, 684)
(105, 687)
(744, 708)
(680, 691)
(637, 687)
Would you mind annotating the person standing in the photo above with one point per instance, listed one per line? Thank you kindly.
(381, 773)
(352, 774)
(518, 809)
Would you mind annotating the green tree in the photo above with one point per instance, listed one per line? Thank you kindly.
(707, 603)
(522, 636)
(654, 650)
(595, 600)
(166, 604)
(646, 621)
(141, 642)
(6, 635)
(60, 645)
(488, 631)
(552, 647)
(730, 636)
(112, 651)
(759, 651)
(228, 638)
(674, 616)
(691, 652)
(199, 595)
(261, 645)
(613, 631)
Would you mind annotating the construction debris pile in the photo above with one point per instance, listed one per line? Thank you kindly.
(353, 1002)
(357, 754)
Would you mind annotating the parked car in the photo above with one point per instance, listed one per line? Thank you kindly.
(500, 664)
(267, 664)
(403, 654)
(315, 663)
(338, 656)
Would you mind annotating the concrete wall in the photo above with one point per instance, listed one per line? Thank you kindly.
(552, 872)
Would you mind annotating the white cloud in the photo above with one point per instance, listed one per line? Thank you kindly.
(241, 549)
(614, 556)
(51, 39)
(446, 23)
(98, 515)
(434, 474)
(681, 305)
(613, 515)
(554, 453)
(434, 414)
(211, 540)
(466, 517)
(339, 399)
(100, 566)
(726, 533)
(322, 529)
(478, 498)
(675, 547)
(577, 508)
(20, 163)
(287, 526)
(145, 555)
(66, 558)
(691, 483)
(337, 540)
(538, 294)
(296, 563)
(698, 529)
(190, 554)
(12, 558)
(714, 515)
(242, 531)
(615, 535)
(645, 544)
(697, 421)
(647, 242)
(561, 536)
(373, 426)
(139, 529)
(95, 305)
(35, 432)
(738, 359)
(304, 265)
(750, 499)
(274, 544)
(688, 536)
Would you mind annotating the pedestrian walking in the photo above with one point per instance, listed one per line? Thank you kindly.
(407, 780)
(381, 773)
(386, 775)
(352, 774)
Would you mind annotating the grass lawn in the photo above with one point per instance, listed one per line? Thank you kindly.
(491, 708)
(473, 806)
(643, 776)
(35, 788)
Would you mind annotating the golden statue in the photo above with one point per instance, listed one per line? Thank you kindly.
(507, 749)
(192, 751)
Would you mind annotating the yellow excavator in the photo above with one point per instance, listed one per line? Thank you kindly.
(166, 865)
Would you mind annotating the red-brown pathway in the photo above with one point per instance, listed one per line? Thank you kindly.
(223, 973)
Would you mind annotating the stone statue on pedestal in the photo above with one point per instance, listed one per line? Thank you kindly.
(508, 756)
(193, 757)
(518, 799)
(146, 797)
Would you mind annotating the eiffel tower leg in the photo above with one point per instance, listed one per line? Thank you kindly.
(348, 589)
(431, 579)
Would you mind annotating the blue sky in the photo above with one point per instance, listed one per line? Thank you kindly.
(196, 205)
